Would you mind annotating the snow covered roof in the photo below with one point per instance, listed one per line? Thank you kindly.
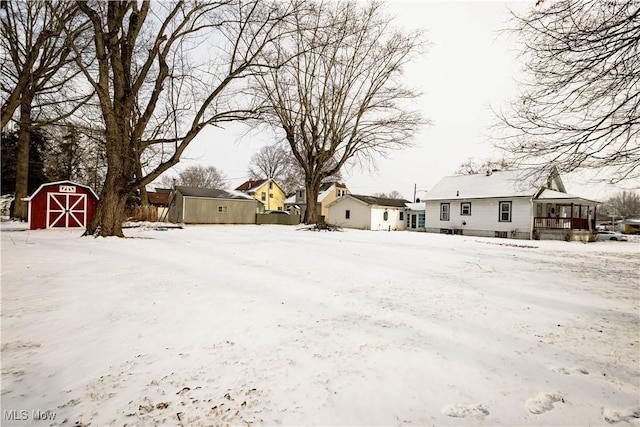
(515, 183)
(64, 182)
(548, 194)
(213, 193)
(631, 219)
(415, 206)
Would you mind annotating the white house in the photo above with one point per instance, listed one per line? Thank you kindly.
(519, 204)
(368, 212)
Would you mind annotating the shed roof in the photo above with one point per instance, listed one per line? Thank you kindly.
(211, 193)
(514, 183)
(67, 182)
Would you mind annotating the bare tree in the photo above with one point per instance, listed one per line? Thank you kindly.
(471, 167)
(196, 176)
(276, 161)
(162, 72)
(393, 194)
(580, 108)
(36, 77)
(623, 204)
(340, 98)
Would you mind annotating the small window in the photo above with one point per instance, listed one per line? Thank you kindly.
(347, 214)
(340, 192)
(263, 196)
(300, 193)
(504, 212)
(421, 220)
(385, 216)
(444, 211)
(401, 217)
(222, 209)
(465, 208)
(271, 195)
(270, 185)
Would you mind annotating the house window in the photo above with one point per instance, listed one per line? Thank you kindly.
(421, 220)
(401, 217)
(263, 196)
(385, 216)
(300, 193)
(465, 208)
(271, 186)
(444, 211)
(271, 195)
(341, 192)
(222, 209)
(347, 214)
(504, 212)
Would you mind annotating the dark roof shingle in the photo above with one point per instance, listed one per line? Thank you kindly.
(381, 201)
(212, 193)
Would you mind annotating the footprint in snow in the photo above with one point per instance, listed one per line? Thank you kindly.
(569, 371)
(613, 416)
(543, 402)
(461, 411)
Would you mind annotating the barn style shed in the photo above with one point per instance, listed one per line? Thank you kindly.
(61, 204)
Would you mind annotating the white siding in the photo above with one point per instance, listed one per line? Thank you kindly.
(359, 214)
(393, 222)
(484, 218)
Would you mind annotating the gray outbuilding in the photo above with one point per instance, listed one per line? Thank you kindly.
(191, 205)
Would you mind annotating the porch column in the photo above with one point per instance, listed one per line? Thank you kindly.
(571, 215)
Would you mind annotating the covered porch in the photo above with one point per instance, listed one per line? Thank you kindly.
(562, 212)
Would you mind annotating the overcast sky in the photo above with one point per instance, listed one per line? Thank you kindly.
(468, 67)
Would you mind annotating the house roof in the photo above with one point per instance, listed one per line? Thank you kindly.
(213, 193)
(157, 198)
(250, 184)
(548, 194)
(416, 206)
(380, 201)
(515, 183)
(631, 219)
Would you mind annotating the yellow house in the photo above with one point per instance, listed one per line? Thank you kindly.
(267, 191)
(329, 192)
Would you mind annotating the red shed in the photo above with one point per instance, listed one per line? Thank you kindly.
(62, 204)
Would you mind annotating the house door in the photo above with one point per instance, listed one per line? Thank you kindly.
(66, 210)
(414, 221)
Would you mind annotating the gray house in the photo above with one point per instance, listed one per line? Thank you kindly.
(207, 206)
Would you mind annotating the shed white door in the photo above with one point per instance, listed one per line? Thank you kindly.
(66, 210)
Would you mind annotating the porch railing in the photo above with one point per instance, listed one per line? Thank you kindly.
(562, 223)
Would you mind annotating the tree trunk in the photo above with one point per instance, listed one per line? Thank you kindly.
(113, 200)
(312, 188)
(22, 160)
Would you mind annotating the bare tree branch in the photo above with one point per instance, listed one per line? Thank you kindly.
(580, 108)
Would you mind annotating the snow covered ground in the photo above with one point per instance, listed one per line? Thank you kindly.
(255, 325)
